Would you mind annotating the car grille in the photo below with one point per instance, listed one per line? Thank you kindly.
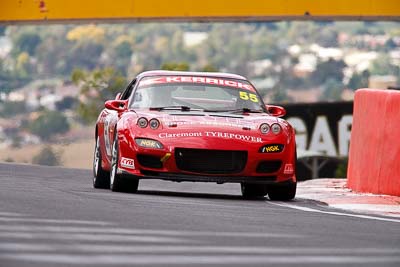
(210, 161)
(149, 161)
(269, 166)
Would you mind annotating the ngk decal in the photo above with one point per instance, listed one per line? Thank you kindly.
(199, 80)
(127, 163)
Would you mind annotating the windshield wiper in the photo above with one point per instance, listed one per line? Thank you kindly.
(239, 110)
(181, 108)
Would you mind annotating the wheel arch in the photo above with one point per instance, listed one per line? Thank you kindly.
(96, 131)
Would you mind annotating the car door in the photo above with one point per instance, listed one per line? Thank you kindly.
(111, 118)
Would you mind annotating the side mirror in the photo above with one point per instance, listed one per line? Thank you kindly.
(276, 111)
(117, 105)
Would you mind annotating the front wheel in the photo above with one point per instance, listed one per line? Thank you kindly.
(119, 182)
(282, 192)
(252, 191)
(101, 177)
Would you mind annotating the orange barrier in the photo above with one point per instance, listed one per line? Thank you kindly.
(374, 157)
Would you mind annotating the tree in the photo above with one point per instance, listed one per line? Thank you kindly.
(390, 45)
(302, 31)
(27, 42)
(12, 108)
(122, 59)
(359, 80)
(279, 95)
(331, 69)
(9, 159)
(17, 76)
(123, 50)
(383, 66)
(23, 67)
(67, 102)
(47, 156)
(209, 68)
(16, 141)
(95, 88)
(48, 124)
(87, 46)
(181, 66)
(328, 36)
(55, 57)
(332, 90)
(86, 33)
(341, 169)
(84, 55)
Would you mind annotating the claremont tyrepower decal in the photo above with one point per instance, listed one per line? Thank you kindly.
(223, 135)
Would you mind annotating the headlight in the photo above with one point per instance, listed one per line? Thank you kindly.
(142, 122)
(264, 128)
(148, 143)
(154, 124)
(276, 128)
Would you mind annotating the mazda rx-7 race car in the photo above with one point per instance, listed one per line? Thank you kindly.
(194, 126)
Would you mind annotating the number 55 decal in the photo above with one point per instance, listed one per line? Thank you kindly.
(248, 96)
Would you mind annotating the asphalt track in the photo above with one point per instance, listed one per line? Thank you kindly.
(53, 217)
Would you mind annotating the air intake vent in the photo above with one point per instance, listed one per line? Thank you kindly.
(210, 161)
(269, 166)
(149, 161)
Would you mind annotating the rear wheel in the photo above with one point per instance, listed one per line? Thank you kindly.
(282, 192)
(101, 177)
(119, 182)
(251, 191)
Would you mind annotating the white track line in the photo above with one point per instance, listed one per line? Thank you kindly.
(283, 204)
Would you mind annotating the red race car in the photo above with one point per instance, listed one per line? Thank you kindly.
(194, 126)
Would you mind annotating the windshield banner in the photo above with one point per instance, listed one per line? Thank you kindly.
(196, 80)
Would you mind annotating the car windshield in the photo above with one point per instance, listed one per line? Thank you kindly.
(190, 93)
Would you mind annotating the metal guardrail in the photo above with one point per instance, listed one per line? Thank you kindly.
(314, 161)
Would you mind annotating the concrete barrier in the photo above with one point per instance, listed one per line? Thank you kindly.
(374, 157)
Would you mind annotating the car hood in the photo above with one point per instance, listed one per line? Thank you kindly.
(195, 119)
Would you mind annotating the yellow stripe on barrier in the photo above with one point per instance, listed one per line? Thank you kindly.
(54, 10)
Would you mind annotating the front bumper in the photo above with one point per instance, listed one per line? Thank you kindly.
(167, 164)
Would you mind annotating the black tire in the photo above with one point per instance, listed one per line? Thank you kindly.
(282, 192)
(253, 191)
(119, 182)
(101, 177)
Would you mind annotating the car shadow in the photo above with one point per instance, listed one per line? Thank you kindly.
(197, 195)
